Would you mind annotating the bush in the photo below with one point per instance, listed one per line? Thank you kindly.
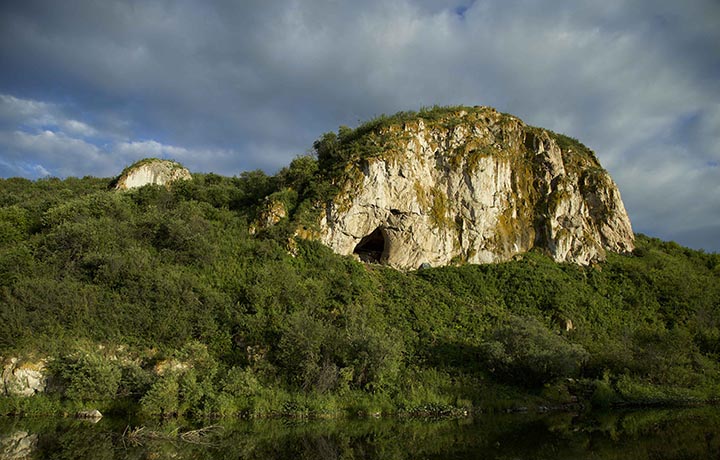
(324, 357)
(524, 351)
(13, 225)
(306, 352)
(162, 400)
(88, 376)
(373, 352)
(134, 381)
(604, 395)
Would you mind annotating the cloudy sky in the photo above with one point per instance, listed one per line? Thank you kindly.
(88, 87)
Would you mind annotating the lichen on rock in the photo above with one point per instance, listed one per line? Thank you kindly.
(476, 186)
(23, 377)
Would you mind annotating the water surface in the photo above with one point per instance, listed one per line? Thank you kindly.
(648, 434)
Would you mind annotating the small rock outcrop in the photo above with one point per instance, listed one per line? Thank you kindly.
(476, 186)
(151, 171)
(271, 212)
(23, 378)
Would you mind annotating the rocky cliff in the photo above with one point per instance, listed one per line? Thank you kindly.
(472, 185)
(151, 171)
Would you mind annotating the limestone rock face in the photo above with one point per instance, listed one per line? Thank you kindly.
(152, 171)
(477, 186)
(23, 378)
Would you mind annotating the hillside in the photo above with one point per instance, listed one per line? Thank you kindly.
(196, 300)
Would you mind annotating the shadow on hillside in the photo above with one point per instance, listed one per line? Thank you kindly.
(450, 354)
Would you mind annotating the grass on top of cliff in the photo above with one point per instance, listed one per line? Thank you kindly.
(172, 279)
(369, 139)
(335, 151)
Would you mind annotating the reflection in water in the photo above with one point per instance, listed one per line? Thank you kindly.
(17, 445)
(652, 434)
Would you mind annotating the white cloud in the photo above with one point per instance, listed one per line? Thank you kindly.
(197, 159)
(78, 128)
(39, 116)
(52, 154)
(15, 110)
(149, 149)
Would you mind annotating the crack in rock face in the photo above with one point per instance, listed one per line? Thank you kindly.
(481, 191)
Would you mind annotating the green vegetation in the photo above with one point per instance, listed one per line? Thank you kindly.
(370, 139)
(161, 302)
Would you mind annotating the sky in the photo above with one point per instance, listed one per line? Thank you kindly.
(88, 87)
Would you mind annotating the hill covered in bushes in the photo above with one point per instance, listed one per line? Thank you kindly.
(162, 301)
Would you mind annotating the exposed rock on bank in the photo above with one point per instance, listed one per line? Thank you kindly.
(23, 378)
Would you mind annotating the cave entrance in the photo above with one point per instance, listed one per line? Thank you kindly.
(371, 248)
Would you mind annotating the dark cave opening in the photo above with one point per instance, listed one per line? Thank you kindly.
(370, 249)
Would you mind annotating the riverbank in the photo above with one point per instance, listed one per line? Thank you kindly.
(359, 405)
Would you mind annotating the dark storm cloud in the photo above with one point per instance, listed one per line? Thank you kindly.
(230, 86)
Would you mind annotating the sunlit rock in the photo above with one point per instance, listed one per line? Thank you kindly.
(475, 186)
(151, 171)
(23, 378)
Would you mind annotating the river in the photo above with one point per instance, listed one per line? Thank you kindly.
(646, 434)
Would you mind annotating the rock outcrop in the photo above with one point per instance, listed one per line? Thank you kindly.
(151, 171)
(23, 378)
(271, 212)
(474, 186)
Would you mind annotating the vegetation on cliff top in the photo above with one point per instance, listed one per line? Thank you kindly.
(335, 151)
(161, 301)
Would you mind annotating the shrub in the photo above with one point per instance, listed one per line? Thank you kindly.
(88, 376)
(373, 352)
(241, 382)
(305, 350)
(134, 381)
(604, 395)
(524, 351)
(196, 392)
(13, 224)
(162, 400)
